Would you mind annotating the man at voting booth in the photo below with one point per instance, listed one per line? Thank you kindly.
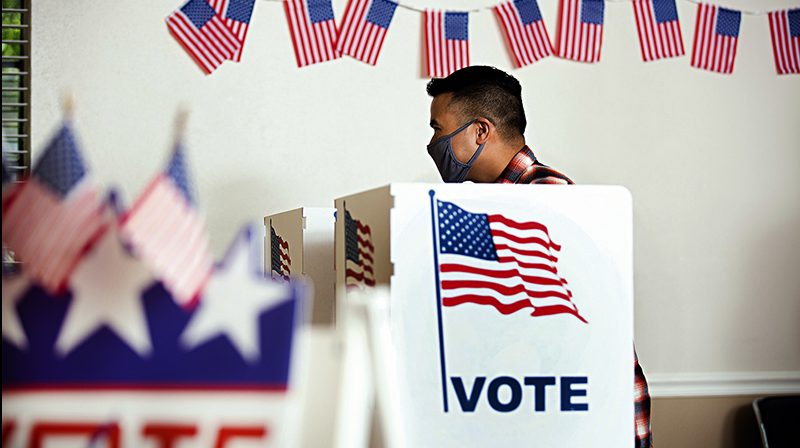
(478, 126)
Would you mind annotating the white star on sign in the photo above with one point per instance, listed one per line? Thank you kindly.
(233, 300)
(13, 290)
(106, 290)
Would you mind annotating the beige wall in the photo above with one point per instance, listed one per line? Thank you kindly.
(705, 422)
(713, 161)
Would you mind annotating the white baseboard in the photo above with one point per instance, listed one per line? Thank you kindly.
(723, 383)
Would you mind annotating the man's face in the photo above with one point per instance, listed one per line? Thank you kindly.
(445, 120)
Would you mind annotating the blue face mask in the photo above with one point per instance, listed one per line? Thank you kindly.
(441, 151)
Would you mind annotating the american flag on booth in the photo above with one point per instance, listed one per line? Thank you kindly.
(494, 261)
(167, 231)
(716, 36)
(280, 262)
(659, 29)
(525, 32)
(580, 30)
(364, 28)
(359, 253)
(313, 30)
(54, 218)
(236, 15)
(201, 32)
(784, 29)
(446, 42)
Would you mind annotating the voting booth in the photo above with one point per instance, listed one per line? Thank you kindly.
(510, 308)
(299, 243)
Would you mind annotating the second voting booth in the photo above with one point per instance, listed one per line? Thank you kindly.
(510, 308)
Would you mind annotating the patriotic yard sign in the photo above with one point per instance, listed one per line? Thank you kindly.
(202, 33)
(364, 28)
(659, 29)
(579, 36)
(511, 308)
(716, 36)
(524, 29)
(446, 42)
(116, 361)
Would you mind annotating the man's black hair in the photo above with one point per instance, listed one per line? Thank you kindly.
(482, 91)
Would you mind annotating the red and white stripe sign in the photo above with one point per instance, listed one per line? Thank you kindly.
(209, 46)
(50, 235)
(712, 51)
(657, 40)
(785, 47)
(577, 40)
(528, 43)
(444, 56)
(169, 234)
(313, 42)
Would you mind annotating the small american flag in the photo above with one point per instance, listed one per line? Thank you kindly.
(716, 35)
(166, 230)
(525, 31)
(659, 29)
(236, 15)
(364, 28)
(784, 28)
(54, 218)
(280, 263)
(446, 42)
(359, 253)
(313, 30)
(492, 260)
(201, 32)
(580, 30)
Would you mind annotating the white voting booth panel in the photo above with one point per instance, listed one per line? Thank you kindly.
(299, 243)
(510, 308)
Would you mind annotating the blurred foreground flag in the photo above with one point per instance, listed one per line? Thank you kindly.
(52, 220)
(168, 232)
(716, 36)
(364, 28)
(313, 30)
(236, 15)
(201, 32)
(207, 376)
(659, 29)
(446, 42)
(784, 28)
(525, 31)
(580, 30)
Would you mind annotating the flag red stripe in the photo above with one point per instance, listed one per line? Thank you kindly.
(508, 273)
(526, 240)
(525, 252)
(502, 289)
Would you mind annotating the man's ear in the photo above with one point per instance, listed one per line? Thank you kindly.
(484, 129)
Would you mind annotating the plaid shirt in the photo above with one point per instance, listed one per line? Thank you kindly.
(525, 169)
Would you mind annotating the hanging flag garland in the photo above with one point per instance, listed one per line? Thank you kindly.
(659, 29)
(446, 42)
(236, 16)
(716, 36)
(313, 30)
(212, 31)
(364, 28)
(784, 29)
(580, 30)
(524, 29)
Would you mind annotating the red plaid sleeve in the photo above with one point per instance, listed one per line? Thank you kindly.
(641, 405)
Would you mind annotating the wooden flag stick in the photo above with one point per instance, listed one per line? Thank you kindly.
(68, 104)
(181, 119)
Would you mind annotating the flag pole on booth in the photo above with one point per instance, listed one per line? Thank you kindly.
(442, 362)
